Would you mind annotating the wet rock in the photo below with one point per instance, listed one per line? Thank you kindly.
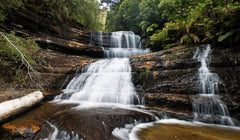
(21, 131)
(50, 94)
(94, 123)
(27, 125)
(58, 67)
(101, 39)
(70, 47)
(66, 121)
(168, 100)
(175, 71)
(233, 104)
(168, 71)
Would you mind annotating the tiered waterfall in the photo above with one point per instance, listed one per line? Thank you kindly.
(108, 80)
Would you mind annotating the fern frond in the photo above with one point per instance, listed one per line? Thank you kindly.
(183, 38)
(223, 37)
(195, 38)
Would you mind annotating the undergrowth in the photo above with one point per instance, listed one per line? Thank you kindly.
(12, 69)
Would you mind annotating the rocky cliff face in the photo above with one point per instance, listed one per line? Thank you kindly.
(64, 47)
(59, 67)
(169, 78)
(64, 38)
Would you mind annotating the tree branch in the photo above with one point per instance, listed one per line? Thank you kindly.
(24, 61)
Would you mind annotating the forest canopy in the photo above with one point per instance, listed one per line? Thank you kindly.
(166, 23)
(82, 12)
(161, 23)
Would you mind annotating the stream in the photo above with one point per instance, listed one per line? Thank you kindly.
(101, 102)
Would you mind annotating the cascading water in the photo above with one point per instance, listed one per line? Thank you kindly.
(207, 106)
(100, 40)
(108, 80)
(124, 44)
(96, 38)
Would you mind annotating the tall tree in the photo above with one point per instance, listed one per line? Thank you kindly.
(125, 16)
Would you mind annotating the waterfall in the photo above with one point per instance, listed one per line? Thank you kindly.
(100, 38)
(108, 80)
(124, 44)
(96, 38)
(207, 106)
(208, 81)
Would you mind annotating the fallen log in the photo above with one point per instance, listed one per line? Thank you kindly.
(11, 108)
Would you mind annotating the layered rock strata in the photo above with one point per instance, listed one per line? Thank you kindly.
(169, 78)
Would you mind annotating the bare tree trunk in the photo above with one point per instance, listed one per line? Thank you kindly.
(14, 107)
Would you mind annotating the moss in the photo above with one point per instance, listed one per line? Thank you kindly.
(173, 57)
(1, 80)
(168, 46)
(144, 77)
(144, 85)
(27, 46)
(12, 67)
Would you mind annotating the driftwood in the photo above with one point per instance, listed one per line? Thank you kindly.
(11, 108)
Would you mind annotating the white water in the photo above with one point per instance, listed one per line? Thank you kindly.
(61, 135)
(207, 106)
(97, 38)
(208, 81)
(108, 80)
(124, 44)
(100, 38)
(53, 136)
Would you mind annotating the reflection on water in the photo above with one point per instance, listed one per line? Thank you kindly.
(182, 130)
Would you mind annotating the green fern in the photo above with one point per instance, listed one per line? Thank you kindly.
(223, 37)
(151, 27)
(160, 36)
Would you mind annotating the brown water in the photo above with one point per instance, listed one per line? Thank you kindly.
(187, 132)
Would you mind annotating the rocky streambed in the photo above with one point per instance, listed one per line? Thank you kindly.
(69, 120)
(166, 82)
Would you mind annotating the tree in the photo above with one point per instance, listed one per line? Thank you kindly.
(151, 16)
(83, 12)
(124, 15)
(5, 8)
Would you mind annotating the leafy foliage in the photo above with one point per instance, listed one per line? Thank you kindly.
(6, 6)
(165, 23)
(82, 12)
(12, 68)
(124, 16)
(151, 16)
